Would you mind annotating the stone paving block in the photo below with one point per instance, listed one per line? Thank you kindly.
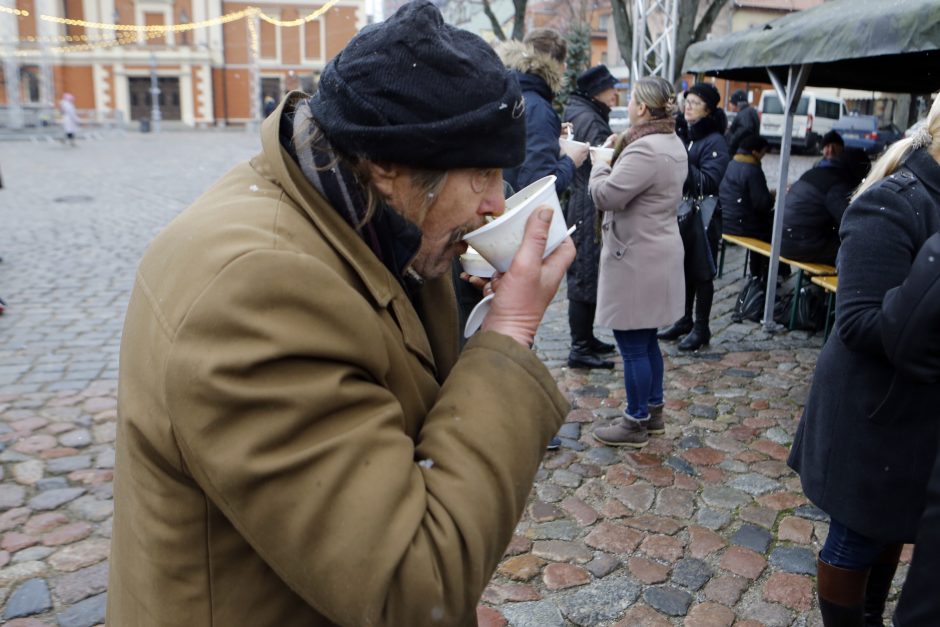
(744, 562)
(752, 537)
(604, 600)
(490, 617)
(643, 616)
(558, 576)
(691, 573)
(794, 559)
(498, 593)
(85, 613)
(793, 529)
(82, 584)
(613, 538)
(561, 551)
(793, 591)
(52, 499)
(763, 516)
(709, 615)
(28, 598)
(533, 614)
(723, 497)
(712, 518)
(521, 567)
(602, 565)
(647, 571)
(668, 600)
(769, 614)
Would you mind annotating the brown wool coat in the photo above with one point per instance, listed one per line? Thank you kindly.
(277, 389)
(641, 283)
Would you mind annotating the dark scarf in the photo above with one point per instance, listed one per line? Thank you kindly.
(394, 239)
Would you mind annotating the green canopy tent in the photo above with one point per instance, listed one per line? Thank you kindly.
(857, 44)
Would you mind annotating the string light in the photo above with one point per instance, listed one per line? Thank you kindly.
(300, 20)
(17, 12)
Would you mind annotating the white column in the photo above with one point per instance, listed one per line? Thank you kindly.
(9, 33)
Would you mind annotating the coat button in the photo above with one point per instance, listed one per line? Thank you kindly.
(618, 254)
(606, 227)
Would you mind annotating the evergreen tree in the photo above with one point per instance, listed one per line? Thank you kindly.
(578, 59)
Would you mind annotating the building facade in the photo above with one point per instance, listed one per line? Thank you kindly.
(213, 61)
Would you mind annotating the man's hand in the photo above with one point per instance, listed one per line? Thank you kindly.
(525, 290)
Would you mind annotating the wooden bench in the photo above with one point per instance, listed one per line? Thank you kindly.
(753, 245)
(831, 285)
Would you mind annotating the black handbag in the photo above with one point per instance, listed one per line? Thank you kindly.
(697, 215)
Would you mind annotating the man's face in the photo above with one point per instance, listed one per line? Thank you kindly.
(468, 195)
(832, 151)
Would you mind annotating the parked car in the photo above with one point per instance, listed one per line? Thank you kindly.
(814, 117)
(619, 119)
(866, 132)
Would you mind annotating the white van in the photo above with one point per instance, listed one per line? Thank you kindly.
(815, 116)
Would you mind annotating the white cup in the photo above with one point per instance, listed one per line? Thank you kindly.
(498, 241)
(599, 154)
(570, 146)
(475, 265)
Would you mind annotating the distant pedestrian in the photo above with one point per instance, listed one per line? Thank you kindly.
(746, 202)
(70, 121)
(588, 111)
(701, 128)
(746, 122)
(867, 440)
(641, 274)
(270, 104)
(538, 62)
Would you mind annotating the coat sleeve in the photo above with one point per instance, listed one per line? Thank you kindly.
(614, 189)
(910, 320)
(879, 238)
(837, 201)
(542, 152)
(293, 432)
(761, 199)
(711, 165)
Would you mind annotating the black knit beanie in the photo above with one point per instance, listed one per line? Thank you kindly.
(708, 93)
(595, 80)
(416, 91)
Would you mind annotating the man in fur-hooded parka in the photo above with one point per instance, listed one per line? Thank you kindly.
(540, 76)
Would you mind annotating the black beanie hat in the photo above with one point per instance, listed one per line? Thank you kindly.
(739, 95)
(416, 91)
(595, 80)
(832, 138)
(707, 92)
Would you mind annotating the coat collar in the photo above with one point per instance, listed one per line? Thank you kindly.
(275, 164)
(926, 168)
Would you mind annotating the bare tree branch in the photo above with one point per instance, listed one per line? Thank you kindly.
(494, 22)
(623, 27)
(708, 20)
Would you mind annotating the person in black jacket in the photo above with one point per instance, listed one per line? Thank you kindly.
(538, 63)
(745, 124)
(701, 128)
(746, 202)
(816, 202)
(911, 330)
(868, 436)
(588, 111)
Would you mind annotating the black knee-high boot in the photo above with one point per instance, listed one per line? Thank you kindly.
(684, 324)
(841, 595)
(597, 347)
(701, 335)
(581, 322)
(880, 577)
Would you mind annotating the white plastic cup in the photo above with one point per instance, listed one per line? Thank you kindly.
(498, 241)
(599, 154)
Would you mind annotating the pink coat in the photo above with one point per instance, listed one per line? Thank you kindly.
(641, 283)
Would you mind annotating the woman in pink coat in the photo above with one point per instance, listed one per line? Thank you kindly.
(641, 285)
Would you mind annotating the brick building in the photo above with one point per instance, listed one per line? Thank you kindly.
(204, 70)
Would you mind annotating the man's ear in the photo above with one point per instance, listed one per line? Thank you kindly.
(383, 177)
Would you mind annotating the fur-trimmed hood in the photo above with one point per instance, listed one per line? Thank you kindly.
(523, 58)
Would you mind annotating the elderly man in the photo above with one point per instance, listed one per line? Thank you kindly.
(746, 122)
(300, 442)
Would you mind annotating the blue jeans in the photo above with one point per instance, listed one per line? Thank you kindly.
(847, 549)
(642, 370)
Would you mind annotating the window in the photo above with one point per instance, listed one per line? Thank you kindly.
(772, 105)
(602, 22)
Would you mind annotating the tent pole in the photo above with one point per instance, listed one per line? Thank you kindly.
(789, 95)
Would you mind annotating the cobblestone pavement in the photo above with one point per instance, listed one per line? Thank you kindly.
(705, 526)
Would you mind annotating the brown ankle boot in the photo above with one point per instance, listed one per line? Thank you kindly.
(841, 595)
(656, 424)
(623, 432)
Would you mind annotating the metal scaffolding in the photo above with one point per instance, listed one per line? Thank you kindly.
(654, 38)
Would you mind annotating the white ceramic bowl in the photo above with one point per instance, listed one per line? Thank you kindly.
(475, 265)
(601, 155)
(498, 241)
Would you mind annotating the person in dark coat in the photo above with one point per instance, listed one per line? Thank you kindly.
(911, 329)
(746, 202)
(868, 436)
(816, 202)
(538, 63)
(701, 129)
(745, 124)
(588, 111)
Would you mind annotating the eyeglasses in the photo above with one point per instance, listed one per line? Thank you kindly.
(480, 179)
(694, 102)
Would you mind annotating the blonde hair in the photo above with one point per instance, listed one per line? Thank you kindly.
(928, 137)
(657, 94)
(427, 183)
